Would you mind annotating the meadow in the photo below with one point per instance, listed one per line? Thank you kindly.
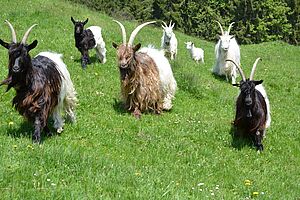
(187, 153)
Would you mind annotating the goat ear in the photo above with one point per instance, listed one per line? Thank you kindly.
(72, 19)
(115, 45)
(32, 45)
(4, 44)
(232, 36)
(86, 21)
(258, 82)
(137, 47)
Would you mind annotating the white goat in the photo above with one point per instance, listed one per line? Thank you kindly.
(197, 54)
(226, 48)
(169, 40)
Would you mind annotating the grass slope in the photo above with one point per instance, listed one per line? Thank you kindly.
(187, 153)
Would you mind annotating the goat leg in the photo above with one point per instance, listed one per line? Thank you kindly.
(137, 113)
(36, 137)
(258, 141)
(47, 131)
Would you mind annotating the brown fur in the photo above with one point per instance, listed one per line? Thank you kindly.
(140, 83)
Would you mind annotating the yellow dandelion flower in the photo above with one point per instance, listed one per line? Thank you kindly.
(255, 194)
(15, 146)
(30, 146)
(247, 182)
(10, 123)
(137, 173)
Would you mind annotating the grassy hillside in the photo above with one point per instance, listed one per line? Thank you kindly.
(187, 153)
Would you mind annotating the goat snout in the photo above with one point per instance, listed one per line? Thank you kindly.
(16, 68)
(248, 101)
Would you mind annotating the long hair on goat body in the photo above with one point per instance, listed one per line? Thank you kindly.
(41, 90)
(43, 85)
(140, 85)
(139, 74)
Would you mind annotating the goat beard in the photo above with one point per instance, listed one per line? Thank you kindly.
(249, 114)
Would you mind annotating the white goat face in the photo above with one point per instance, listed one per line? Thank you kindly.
(189, 45)
(168, 32)
(225, 41)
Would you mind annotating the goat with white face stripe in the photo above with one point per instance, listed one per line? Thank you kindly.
(43, 85)
(169, 40)
(226, 48)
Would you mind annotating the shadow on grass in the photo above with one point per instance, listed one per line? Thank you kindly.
(238, 141)
(119, 107)
(219, 78)
(93, 59)
(26, 130)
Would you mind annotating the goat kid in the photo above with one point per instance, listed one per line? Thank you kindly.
(86, 39)
(147, 82)
(197, 54)
(252, 108)
(43, 85)
(169, 40)
(226, 48)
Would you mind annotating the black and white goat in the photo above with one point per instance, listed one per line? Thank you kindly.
(43, 85)
(252, 108)
(86, 39)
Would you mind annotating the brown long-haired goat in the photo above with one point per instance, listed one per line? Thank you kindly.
(43, 85)
(147, 82)
(252, 108)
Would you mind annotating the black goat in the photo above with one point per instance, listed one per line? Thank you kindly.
(252, 108)
(43, 85)
(86, 39)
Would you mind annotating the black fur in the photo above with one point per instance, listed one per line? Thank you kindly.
(84, 41)
(37, 83)
(251, 112)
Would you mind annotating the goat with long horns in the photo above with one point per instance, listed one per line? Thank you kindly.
(252, 108)
(226, 48)
(147, 82)
(43, 85)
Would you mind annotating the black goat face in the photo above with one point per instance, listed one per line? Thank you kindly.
(79, 26)
(19, 57)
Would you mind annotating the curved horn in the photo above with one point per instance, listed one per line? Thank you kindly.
(239, 68)
(230, 25)
(253, 69)
(165, 25)
(222, 31)
(136, 30)
(13, 33)
(170, 23)
(123, 31)
(27, 34)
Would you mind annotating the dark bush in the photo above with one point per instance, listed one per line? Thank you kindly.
(256, 20)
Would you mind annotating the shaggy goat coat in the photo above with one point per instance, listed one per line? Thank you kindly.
(46, 89)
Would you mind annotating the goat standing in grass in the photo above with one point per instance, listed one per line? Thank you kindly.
(169, 40)
(226, 48)
(252, 108)
(86, 39)
(147, 82)
(197, 54)
(43, 85)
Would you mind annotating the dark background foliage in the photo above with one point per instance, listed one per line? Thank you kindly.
(256, 20)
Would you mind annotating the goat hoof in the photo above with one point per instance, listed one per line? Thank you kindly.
(260, 148)
(137, 114)
(36, 140)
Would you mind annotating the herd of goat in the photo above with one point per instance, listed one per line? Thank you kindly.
(44, 88)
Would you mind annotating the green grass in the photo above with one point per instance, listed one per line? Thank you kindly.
(187, 153)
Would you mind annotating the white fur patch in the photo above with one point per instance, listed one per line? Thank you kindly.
(168, 83)
(67, 96)
(262, 90)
